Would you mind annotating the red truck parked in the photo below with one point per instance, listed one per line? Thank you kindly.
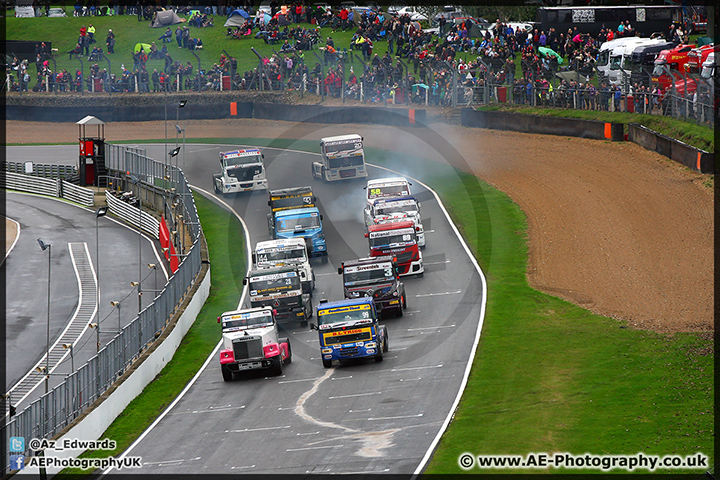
(675, 59)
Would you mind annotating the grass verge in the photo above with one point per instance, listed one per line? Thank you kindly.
(221, 229)
(548, 376)
(697, 136)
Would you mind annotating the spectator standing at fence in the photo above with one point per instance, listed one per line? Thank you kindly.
(617, 96)
(156, 80)
(178, 36)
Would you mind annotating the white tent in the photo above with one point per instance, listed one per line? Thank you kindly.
(166, 18)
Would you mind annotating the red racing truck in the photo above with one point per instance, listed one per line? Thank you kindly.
(399, 240)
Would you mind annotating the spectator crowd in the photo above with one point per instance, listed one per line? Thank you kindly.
(416, 65)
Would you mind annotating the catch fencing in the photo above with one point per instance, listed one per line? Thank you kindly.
(47, 416)
(573, 89)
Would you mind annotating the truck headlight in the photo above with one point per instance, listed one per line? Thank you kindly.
(326, 350)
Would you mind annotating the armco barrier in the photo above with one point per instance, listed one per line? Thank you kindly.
(127, 113)
(518, 122)
(696, 159)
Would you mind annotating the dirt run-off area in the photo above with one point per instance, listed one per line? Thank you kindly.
(614, 228)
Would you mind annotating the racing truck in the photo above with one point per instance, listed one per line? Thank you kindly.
(385, 210)
(341, 158)
(399, 240)
(293, 214)
(349, 329)
(376, 278)
(385, 188)
(251, 342)
(241, 171)
(280, 289)
(286, 251)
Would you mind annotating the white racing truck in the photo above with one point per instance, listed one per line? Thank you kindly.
(385, 188)
(396, 209)
(251, 342)
(286, 251)
(242, 171)
(341, 158)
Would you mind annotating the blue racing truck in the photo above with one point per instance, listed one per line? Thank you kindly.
(349, 329)
(293, 214)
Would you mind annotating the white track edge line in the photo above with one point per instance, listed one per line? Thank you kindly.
(211, 197)
(466, 375)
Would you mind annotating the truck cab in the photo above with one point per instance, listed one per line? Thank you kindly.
(349, 329)
(280, 289)
(286, 251)
(250, 341)
(241, 171)
(385, 188)
(386, 210)
(399, 240)
(675, 59)
(376, 278)
(341, 158)
(642, 61)
(293, 214)
(620, 58)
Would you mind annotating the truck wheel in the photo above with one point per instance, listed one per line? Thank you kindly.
(404, 301)
(226, 373)
(277, 366)
(379, 356)
(399, 312)
(312, 171)
(304, 323)
(386, 346)
(288, 359)
(327, 363)
(215, 187)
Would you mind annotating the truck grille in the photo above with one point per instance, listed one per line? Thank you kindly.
(355, 337)
(349, 352)
(347, 173)
(244, 349)
(404, 257)
(245, 173)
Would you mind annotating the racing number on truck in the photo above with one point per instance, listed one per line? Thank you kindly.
(375, 191)
(307, 200)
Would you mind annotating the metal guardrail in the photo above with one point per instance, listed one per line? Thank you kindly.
(47, 416)
(40, 169)
(45, 186)
(129, 214)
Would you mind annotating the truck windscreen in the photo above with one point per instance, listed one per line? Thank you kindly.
(242, 160)
(327, 317)
(281, 255)
(243, 323)
(299, 223)
(291, 202)
(264, 285)
(355, 275)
